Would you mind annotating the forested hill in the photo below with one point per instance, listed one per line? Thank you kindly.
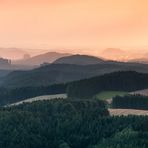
(70, 124)
(61, 73)
(86, 88)
(117, 81)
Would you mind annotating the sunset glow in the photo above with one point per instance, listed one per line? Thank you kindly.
(74, 24)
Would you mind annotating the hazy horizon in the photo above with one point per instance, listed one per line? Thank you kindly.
(73, 26)
(83, 24)
(119, 54)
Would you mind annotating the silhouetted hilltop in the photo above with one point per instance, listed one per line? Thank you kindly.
(79, 60)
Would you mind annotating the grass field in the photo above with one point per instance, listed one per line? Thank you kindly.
(105, 95)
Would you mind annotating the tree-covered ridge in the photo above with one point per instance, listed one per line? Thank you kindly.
(8, 95)
(131, 102)
(127, 138)
(65, 106)
(69, 124)
(117, 81)
(63, 73)
(87, 88)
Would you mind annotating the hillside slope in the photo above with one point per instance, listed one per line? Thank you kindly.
(61, 73)
(79, 60)
(118, 81)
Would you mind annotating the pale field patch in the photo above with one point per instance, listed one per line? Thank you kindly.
(39, 98)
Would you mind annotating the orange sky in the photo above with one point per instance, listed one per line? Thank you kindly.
(90, 24)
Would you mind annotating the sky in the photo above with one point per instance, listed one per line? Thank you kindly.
(74, 24)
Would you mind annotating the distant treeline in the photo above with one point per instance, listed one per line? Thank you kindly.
(117, 81)
(130, 102)
(8, 95)
(70, 124)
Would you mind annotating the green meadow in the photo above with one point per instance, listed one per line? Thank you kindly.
(105, 95)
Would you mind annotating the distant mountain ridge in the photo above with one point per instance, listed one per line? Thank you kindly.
(6, 64)
(48, 57)
(79, 60)
(12, 53)
(118, 54)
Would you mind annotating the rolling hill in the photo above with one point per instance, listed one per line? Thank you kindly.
(40, 59)
(6, 64)
(79, 60)
(61, 73)
(3, 73)
(28, 84)
(117, 81)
